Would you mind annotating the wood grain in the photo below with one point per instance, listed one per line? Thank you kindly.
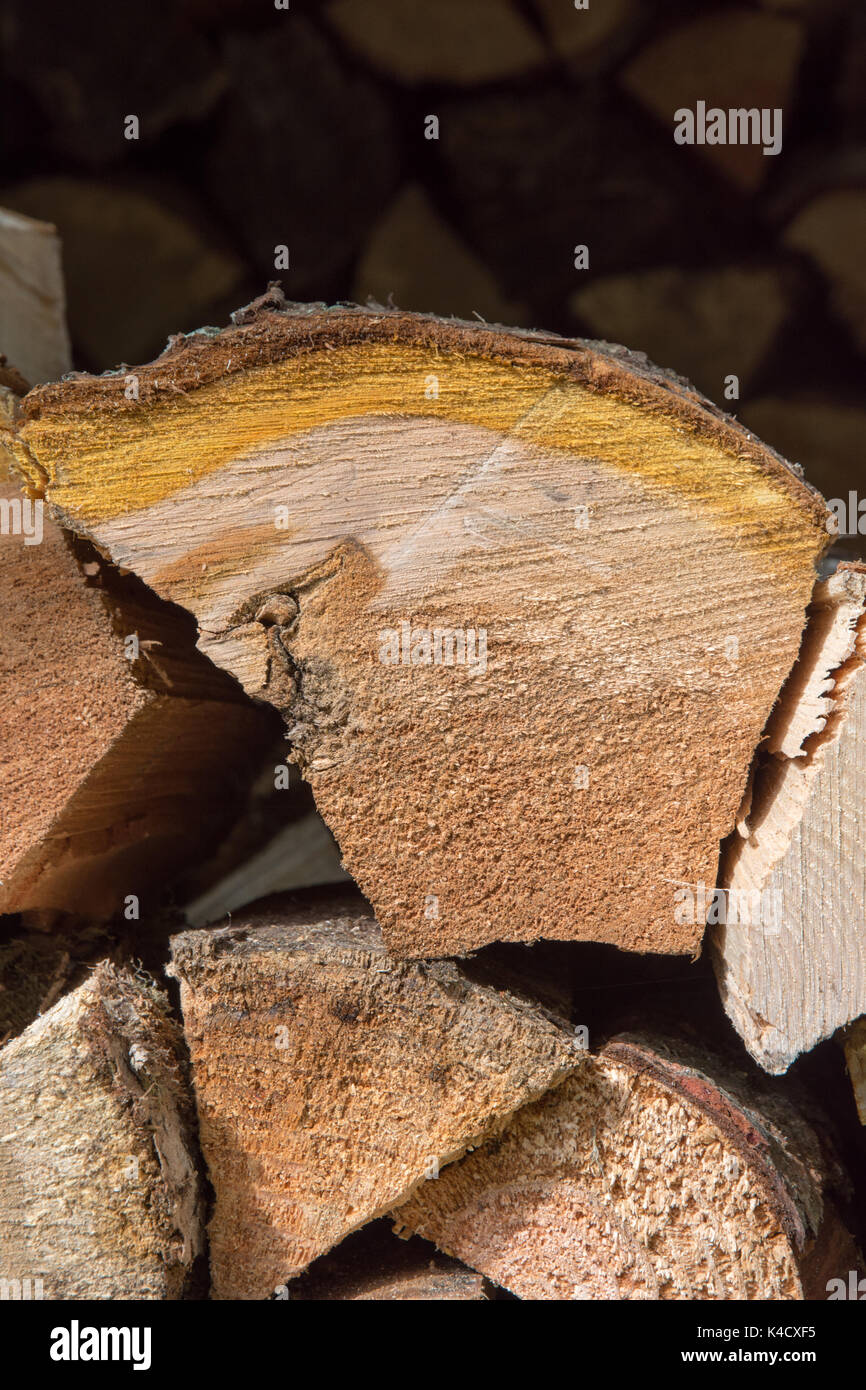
(639, 566)
(792, 966)
(331, 1080)
(651, 1173)
(99, 1190)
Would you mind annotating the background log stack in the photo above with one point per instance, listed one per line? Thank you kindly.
(432, 840)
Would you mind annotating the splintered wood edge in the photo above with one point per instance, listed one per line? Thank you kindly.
(829, 657)
(271, 329)
(810, 716)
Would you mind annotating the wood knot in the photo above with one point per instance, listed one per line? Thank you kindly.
(280, 610)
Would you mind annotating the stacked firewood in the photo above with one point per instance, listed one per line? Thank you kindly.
(433, 787)
(526, 608)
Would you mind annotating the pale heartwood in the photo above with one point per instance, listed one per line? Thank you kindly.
(790, 955)
(310, 482)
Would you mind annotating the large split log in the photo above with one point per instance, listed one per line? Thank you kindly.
(99, 1191)
(653, 1172)
(526, 601)
(332, 1080)
(789, 944)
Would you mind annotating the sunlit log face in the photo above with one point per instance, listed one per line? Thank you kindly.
(540, 601)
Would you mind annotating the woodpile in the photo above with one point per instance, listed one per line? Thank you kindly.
(341, 1068)
(433, 781)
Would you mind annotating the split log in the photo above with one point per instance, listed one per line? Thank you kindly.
(99, 1191)
(119, 770)
(592, 38)
(603, 180)
(278, 843)
(414, 259)
(476, 570)
(651, 1173)
(33, 332)
(374, 1266)
(455, 42)
(789, 947)
(332, 1080)
(850, 92)
(86, 76)
(730, 59)
(302, 855)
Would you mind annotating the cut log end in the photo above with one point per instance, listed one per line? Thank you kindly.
(99, 1190)
(372, 1072)
(465, 564)
(646, 1175)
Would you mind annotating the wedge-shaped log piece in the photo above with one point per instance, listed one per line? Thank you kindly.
(789, 946)
(99, 1191)
(649, 1174)
(125, 749)
(525, 601)
(331, 1080)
